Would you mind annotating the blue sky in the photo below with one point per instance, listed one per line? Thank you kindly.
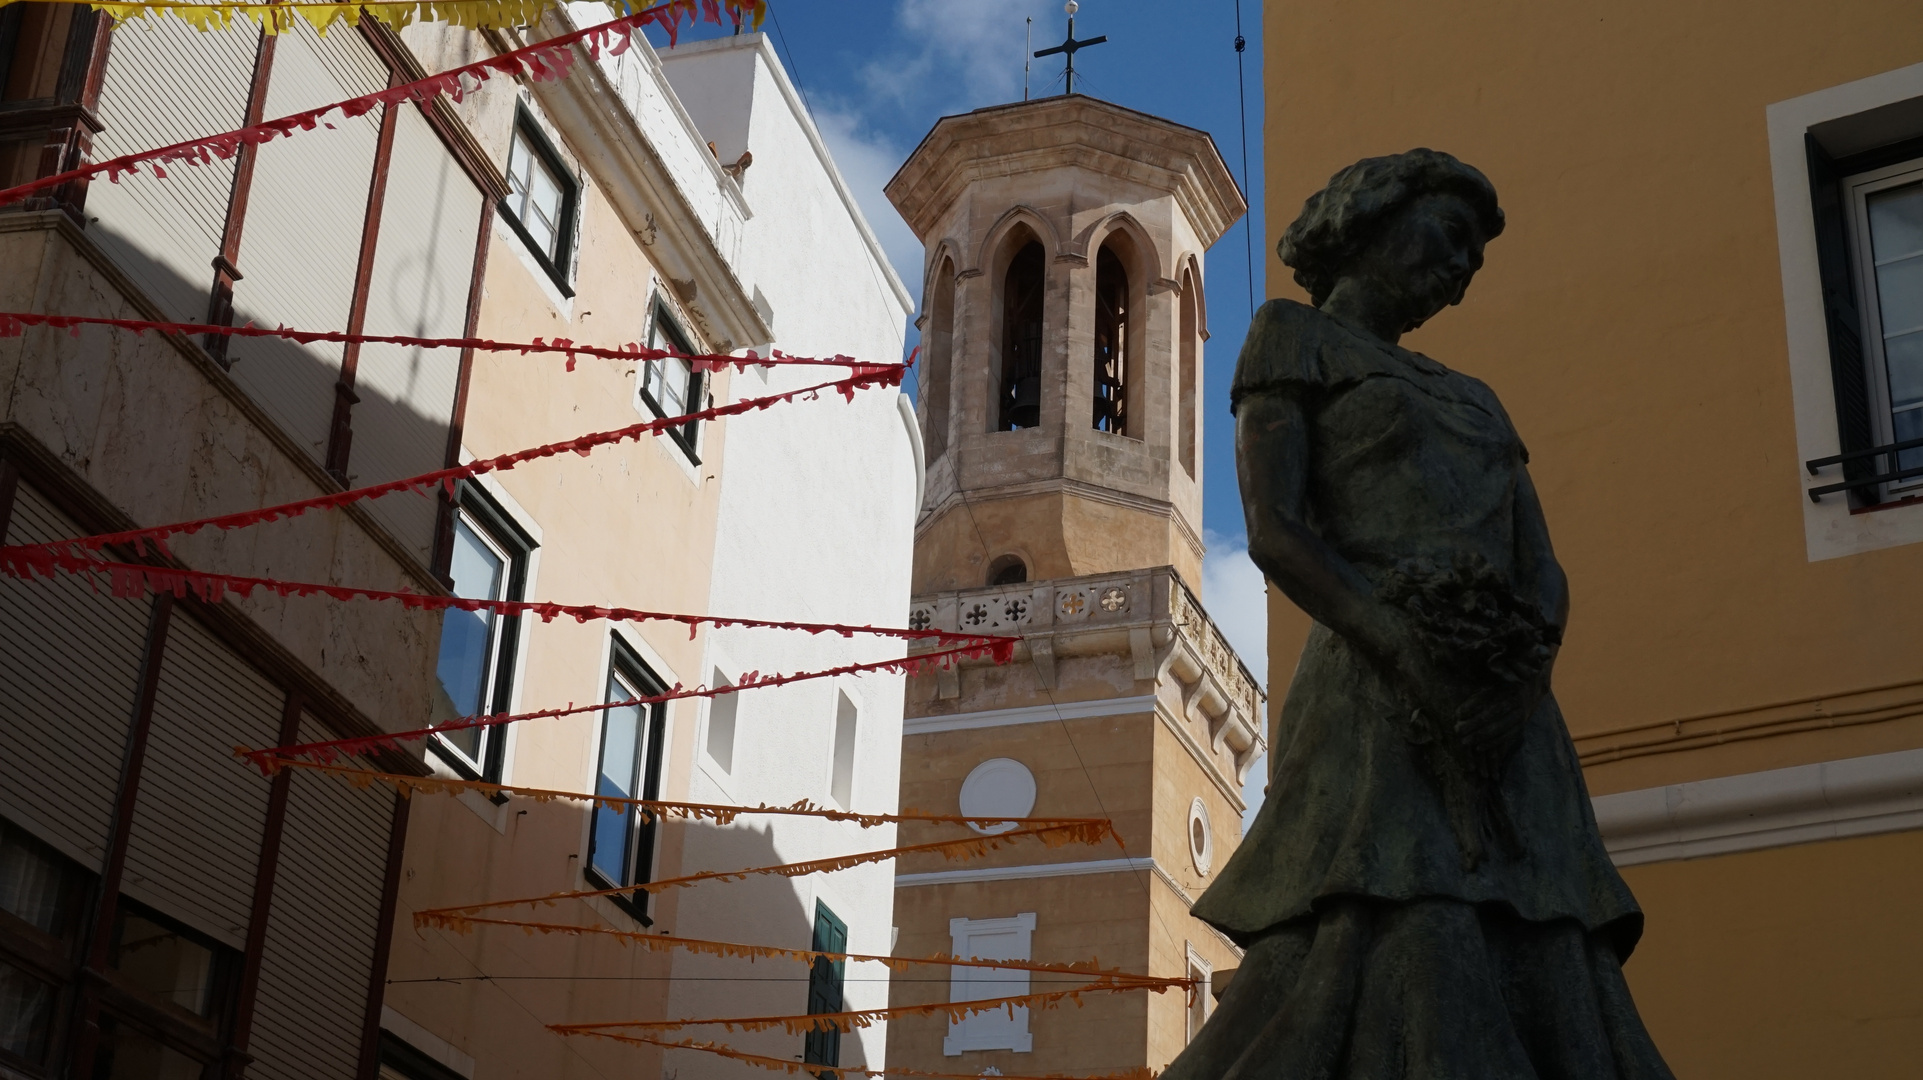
(877, 75)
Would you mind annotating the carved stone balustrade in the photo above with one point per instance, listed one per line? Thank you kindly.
(1147, 616)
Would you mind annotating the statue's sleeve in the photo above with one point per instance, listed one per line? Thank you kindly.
(1283, 353)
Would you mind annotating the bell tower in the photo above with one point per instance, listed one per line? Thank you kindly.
(1062, 332)
(1061, 410)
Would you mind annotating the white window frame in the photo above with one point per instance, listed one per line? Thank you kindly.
(1830, 529)
(497, 642)
(1856, 192)
(1198, 968)
(662, 325)
(965, 984)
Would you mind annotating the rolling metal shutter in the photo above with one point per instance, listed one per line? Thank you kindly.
(319, 955)
(423, 266)
(300, 243)
(69, 678)
(200, 814)
(167, 82)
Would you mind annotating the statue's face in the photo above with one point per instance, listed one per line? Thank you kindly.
(1424, 256)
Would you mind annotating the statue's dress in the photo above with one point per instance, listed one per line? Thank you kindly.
(1376, 949)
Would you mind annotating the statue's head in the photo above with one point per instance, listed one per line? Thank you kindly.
(1407, 228)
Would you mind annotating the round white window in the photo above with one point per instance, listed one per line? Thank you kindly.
(1201, 839)
(999, 787)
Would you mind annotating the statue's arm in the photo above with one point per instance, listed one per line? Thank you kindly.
(1535, 558)
(1272, 462)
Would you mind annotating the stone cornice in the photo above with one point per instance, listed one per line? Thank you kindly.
(1071, 130)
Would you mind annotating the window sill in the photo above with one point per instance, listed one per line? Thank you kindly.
(1908, 500)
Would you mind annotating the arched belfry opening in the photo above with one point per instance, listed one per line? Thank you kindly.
(1112, 346)
(1187, 372)
(1018, 391)
(937, 377)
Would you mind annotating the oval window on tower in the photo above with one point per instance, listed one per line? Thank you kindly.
(998, 788)
(1201, 839)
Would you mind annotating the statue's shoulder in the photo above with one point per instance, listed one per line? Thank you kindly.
(1293, 347)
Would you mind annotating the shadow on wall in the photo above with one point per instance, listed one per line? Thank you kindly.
(297, 386)
(559, 979)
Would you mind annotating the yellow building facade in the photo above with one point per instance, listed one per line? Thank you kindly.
(1061, 413)
(1707, 292)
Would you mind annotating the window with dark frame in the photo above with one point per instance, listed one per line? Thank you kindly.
(401, 1061)
(620, 841)
(166, 999)
(671, 386)
(826, 979)
(541, 200)
(476, 667)
(1868, 211)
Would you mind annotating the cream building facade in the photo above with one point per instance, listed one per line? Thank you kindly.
(1061, 414)
(1703, 319)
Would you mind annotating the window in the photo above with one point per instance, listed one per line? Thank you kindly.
(1186, 396)
(1868, 212)
(540, 200)
(1886, 206)
(476, 665)
(841, 782)
(938, 372)
(401, 1061)
(1111, 343)
(620, 842)
(1007, 570)
(671, 386)
(825, 980)
(183, 983)
(996, 1029)
(41, 894)
(1019, 394)
(1201, 999)
(722, 710)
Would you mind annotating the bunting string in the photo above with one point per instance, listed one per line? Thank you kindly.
(15, 323)
(796, 1068)
(649, 809)
(136, 580)
(999, 650)
(280, 17)
(955, 1011)
(542, 61)
(1082, 832)
(15, 557)
(732, 950)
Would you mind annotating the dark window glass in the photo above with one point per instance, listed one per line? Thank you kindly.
(37, 884)
(1111, 344)
(26, 1012)
(168, 963)
(127, 1053)
(1019, 398)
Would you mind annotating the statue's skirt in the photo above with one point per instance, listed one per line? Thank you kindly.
(1436, 989)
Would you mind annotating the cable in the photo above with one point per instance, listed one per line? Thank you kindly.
(1242, 104)
(794, 69)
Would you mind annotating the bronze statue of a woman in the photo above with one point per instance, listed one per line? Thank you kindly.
(1424, 894)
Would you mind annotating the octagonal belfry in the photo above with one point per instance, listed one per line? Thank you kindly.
(1061, 412)
(1062, 324)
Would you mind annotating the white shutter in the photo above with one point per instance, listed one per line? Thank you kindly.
(319, 955)
(990, 939)
(423, 266)
(167, 82)
(201, 813)
(69, 679)
(300, 241)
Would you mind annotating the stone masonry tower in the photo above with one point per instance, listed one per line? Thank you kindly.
(1061, 410)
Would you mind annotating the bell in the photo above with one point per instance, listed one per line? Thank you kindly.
(1026, 410)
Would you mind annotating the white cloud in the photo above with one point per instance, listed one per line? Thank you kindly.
(969, 53)
(1237, 600)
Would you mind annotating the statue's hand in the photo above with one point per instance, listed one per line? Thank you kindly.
(1489, 726)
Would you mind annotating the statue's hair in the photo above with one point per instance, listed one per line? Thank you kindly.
(1340, 220)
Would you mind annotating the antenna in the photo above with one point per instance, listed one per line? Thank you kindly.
(1028, 42)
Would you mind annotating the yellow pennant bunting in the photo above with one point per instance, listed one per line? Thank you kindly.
(477, 14)
(847, 1072)
(849, 1021)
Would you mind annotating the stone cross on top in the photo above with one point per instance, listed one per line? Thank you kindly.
(1068, 48)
